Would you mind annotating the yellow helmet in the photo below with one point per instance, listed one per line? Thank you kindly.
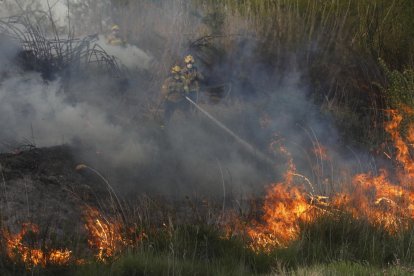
(176, 69)
(189, 59)
(115, 28)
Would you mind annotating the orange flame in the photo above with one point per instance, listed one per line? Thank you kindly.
(104, 236)
(373, 198)
(18, 251)
(376, 198)
(108, 237)
(285, 207)
(379, 201)
(403, 153)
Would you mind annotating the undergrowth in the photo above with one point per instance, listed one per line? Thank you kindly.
(331, 245)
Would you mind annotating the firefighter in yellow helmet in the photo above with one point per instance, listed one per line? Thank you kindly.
(192, 77)
(173, 92)
(114, 38)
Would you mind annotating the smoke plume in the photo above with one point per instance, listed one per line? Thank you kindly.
(115, 127)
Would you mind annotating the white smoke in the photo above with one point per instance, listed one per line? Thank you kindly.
(129, 55)
(31, 109)
(56, 8)
(191, 153)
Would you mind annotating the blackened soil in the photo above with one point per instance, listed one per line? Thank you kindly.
(45, 186)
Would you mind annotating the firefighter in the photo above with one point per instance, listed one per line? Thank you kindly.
(114, 38)
(173, 92)
(192, 77)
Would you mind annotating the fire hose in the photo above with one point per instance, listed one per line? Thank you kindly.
(242, 142)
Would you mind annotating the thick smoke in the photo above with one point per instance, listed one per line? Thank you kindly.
(130, 56)
(38, 112)
(116, 128)
(58, 9)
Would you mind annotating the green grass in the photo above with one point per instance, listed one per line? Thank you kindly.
(380, 28)
(349, 268)
(337, 45)
(164, 264)
(333, 245)
(342, 238)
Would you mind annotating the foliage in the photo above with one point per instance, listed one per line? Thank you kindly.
(400, 90)
(399, 94)
(334, 245)
(336, 44)
(371, 26)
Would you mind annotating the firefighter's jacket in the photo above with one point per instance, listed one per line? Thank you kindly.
(192, 78)
(174, 90)
(114, 40)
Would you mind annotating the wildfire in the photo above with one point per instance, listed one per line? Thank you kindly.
(373, 198)
(18, 251)
(107, 237)
(402, 148)
(286, 205)
(385, 200)
(284, 208)
(376, 198)
(379, 201)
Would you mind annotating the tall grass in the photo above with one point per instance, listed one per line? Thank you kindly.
(181, 244)
(337, 45)
(381, 28)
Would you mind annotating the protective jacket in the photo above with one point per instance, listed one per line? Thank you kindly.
(192, 78)
(114, 40)
(174, 89)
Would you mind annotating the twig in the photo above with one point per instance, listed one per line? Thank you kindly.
(111, 190)
(306, 179)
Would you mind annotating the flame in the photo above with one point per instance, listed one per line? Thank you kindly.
(402, 149)
(321, 152)
(285, 207)
(18, 251)
(384, 200)
(374, 198)
(108, 237)
(60, 257)
(104, 236)
(379, 201)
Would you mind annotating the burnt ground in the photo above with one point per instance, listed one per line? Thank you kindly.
(45, 186)
(42, 186)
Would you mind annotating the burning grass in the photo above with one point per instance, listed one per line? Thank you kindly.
(370, 219)
(108, 237)
(20, 251)
(383, 203)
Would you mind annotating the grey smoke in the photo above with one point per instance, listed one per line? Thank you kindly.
(130, 56)
(29, 104)
(118, 132)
